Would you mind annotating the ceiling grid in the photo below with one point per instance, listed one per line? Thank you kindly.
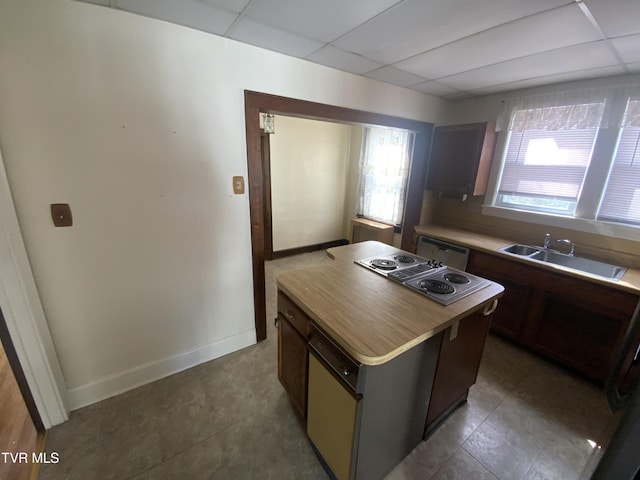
(453, 49)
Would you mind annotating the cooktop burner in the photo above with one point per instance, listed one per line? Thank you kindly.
(383, 264)
(391, 263)
(430, 278)
(445, 284)
(435, 286)
(456, 278)
(404, 259)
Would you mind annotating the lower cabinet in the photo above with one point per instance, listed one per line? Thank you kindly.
(577, 323)
(460, 354)
(292, 365)
(293, 330)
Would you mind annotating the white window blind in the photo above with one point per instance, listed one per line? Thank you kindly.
(621, 200)
(384, 169)
(547, 157)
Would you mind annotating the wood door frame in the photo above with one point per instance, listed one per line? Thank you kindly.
(18, 373)
(265, 151)
(256, 103)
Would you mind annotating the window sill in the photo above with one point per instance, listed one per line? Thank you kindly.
(606, 229)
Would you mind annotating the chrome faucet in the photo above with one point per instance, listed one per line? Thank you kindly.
(569, 243)
(547, 240)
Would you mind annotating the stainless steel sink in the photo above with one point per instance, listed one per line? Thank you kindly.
(582, 264)
(519, 249)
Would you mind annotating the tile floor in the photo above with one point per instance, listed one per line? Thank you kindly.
(230, 419)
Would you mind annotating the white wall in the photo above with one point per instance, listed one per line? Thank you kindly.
(309, 166)
(139, 125)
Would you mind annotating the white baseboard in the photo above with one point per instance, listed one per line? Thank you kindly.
(115, 384)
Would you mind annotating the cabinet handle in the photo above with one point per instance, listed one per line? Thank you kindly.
(275, 321)
(490, 307)
(289, 315)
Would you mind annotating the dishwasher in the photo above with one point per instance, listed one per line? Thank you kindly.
(363, 420)
(449, 254)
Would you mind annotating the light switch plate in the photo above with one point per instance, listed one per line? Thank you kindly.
(238, 185)
(61, 215)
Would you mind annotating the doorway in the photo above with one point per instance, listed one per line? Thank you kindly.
(256, 103)
(21, 428)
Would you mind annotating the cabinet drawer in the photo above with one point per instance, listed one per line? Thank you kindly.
(294, 315)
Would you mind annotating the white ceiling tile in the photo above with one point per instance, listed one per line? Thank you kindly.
(581, 57)
(189, 13)
(459, 96)
(616, 17)
(628, 48)
(97, 2)
(549, 30)
(435, 88)
(394, 76)
(634, 67)
(419, 25)
(350, 62)
(550, 79)
(232, 5)
(325, 20)
(248, 31)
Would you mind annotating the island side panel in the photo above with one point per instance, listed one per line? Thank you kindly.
(394, 407)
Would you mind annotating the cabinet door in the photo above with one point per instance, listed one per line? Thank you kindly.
(458, 363)
(508, 320)
(293, 365)
(578, 334)
(460, 159)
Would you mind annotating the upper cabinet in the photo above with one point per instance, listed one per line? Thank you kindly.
(460, 159)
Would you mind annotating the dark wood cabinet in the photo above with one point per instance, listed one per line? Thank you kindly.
(578, 333)
(293, 362)
(460, 159)
(577, 323)
(509, 319)
(460, 354)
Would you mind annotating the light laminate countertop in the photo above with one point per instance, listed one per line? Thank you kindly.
(373, 318)
(489, 244)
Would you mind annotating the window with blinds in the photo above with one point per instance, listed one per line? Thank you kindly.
(548, 153)
(621, 199)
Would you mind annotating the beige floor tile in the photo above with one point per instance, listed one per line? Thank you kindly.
(230, 418)
(462, 466)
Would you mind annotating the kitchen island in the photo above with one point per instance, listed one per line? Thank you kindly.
(371, 366)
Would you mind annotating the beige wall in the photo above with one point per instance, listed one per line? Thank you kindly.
(309, 173)
(139, 125)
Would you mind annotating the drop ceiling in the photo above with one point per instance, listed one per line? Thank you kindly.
(453, 49)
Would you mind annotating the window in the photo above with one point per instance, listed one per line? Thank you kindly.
(384, 169)
(621, 201)
(576, 156)
(547, 157)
